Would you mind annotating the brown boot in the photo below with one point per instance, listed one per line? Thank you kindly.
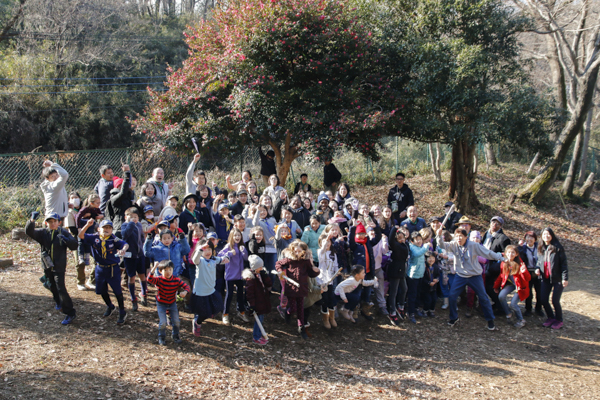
(326, 323)
(332, 318)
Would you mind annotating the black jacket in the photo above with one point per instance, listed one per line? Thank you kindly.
(499, 243)
(53, 246)
(404, 197)
(120, 200)
(302, 217)
(523, 250)
(555, 253)
(452, 222)
(299, 187)
(331, 175)
(236, 208)
(358, 250)
(397, 266)
(428, 277)
(267, 166)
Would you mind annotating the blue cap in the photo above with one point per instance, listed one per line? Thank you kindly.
(148, 208)
(212, 235)
(322, 196)
(52, 216)
(222, 206)
(171, 218)
(106, 223)
(163, 222)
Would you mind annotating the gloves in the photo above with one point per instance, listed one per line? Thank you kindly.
(35, 215)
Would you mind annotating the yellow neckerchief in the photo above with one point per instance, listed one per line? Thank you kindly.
(52, 232)
(103, 244)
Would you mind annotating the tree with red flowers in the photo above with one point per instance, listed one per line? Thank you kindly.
(301, 76)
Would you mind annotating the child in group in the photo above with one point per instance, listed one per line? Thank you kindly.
(387, 222)
(263, 220)
(303, 184)
(513, 276)
(106, 249)
(223, 221)
(313, 296)
(328, 265)
(274, 188)
(166, 299)
(307, 204)
(170, 208)
(447, 270)
(349, 290)
(132, 233)
(396, 273)
(148, 221)
(362, 254)
(258, 291)
(474, 236)
(168, 249)
(414, 275)
(528, 247)
(311, 236)
(198, 232)
(204, 206)
(297, 267)
(283, 238)
(430, 281)
(90, 210)
(240, 224)
(379, 250)
(287, 218)
(71, 224)
(237, 254)
(323, 211)
(206, 301)
(554, 271)
(189, 214)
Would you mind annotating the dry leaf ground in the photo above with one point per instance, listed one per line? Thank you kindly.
(96, 359)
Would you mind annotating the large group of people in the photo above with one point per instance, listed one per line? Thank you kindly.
(321, 250)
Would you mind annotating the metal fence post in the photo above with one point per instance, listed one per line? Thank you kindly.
(397, 165)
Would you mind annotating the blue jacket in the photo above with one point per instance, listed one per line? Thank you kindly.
(311, 238)
(206, 274)
(174, 252)
(104, 251)
(414, 227)
(416, 264)
(103, 188)
(133, 235)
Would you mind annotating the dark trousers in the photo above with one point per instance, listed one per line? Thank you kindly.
(239, 285)
(56, 277)
(556, 289)
(414, 289)
(429, 298)
(396, 293)
(534, 283)
(491, 273)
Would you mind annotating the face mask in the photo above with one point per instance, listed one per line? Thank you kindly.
(75, 202)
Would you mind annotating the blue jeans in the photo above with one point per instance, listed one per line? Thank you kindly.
(353, 299)
(475, 283)
(514, 304)
(162, 318)
(446, 288)
(414, 288)
(547, 287)
(256, 333)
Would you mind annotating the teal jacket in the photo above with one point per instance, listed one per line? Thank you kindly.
(416, 265)
(311, 238)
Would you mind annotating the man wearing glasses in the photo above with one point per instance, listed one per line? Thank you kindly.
(400, 198)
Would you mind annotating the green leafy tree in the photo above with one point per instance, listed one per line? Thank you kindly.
(303, 76)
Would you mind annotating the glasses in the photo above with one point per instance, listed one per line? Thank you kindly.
(399, 179)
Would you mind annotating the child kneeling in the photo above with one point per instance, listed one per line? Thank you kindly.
(350, 290)
(258, 291)
(166, 299)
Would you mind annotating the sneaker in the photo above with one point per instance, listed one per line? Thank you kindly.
(508, 316)
(520, 324)
(394, 320)
(161, 341)
(420, 313)
(226, 320)
(90, 285)
(446, 304)
(58, 307)
(469, 312)
(411, 318)
(383, 311)
(177, 339)
(307, 325)
(302, 333)
(527, 313)
(243, 316)
(196, 328)
(401, 315)
(144, 300)
(557, 325)
(134, 306)
(122, 318)
(83, 288)
(453, 322)
(282, 311)
(431, 314)
(540, 313)
(109, 310)
(492, 326)
(260, 341)
(68, 319)
(549, 322)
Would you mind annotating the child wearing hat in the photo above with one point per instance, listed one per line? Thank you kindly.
(323, 211)
(166, 299)
(54, 242)
(258, 290)
(106, 250)
(170, 208)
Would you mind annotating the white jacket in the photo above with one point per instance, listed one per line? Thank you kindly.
(55, 194)
(350, 284)
(327, 266)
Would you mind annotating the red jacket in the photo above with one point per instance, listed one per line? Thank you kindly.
(257, 292)
(299, 271)
(521, 281)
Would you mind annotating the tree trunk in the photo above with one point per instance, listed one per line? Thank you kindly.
(536, 190)
(283, 162)
(533, 163)
(462, 177)
(558, 76)
(569, 182)
(490, 155)
(586, 143)
(588, 187)
(435, 162)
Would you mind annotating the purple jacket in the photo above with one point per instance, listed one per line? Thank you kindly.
(233, 270)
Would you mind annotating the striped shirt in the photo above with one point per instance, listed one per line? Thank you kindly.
(167, 288)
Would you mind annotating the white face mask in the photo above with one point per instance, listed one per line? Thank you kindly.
(75, 202)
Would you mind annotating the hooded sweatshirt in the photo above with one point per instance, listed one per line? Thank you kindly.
(465, 257)
(55, 194)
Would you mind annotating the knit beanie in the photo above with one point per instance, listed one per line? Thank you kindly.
(360, 228)
(255, 262)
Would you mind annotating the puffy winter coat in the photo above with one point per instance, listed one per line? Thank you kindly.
(258, 291)
(299, 271)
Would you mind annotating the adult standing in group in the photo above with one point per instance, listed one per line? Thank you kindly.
(454, 218)
(267, 165)
(55, 195)
(495, 240)
(121, 199)
(163, 190)
(400, 198)
(104, 186)
(413, 223)
(331, 176)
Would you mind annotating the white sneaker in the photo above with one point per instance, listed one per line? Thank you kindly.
(446, 304)
(90, 286)
(243, 317)
(82, 287)
(226, 320)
